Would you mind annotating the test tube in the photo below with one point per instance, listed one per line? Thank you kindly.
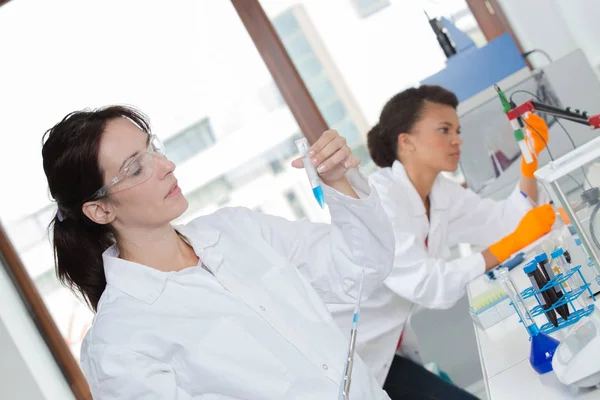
(542, 260)
(503, 277)
(311, 172)
(559, 265)
(560, 261)
(547, 297)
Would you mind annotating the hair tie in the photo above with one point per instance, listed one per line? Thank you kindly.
(60, 215)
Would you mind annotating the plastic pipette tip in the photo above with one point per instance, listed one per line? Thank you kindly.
(318, 192)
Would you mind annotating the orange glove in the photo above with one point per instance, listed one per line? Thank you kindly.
(536, 127)
(535, 224)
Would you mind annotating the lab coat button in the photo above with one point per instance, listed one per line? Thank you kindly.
(262, 308)
(325, 367)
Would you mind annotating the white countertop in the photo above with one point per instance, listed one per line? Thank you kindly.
(504, 353)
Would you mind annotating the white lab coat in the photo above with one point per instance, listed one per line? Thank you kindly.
(258, 328)
(422, 275)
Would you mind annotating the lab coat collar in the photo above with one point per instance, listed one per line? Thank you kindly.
(145, 283)
(439, 200)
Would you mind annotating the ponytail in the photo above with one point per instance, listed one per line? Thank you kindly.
(78, 247)
(382, 147)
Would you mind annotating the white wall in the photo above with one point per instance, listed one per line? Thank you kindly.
(27, 368)
(539, 25)
(557, 27)
(582, 18)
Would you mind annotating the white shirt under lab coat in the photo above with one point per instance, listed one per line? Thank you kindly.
(258, 328)
(422, 275)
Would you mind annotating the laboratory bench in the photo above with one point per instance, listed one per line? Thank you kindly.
(504, 355)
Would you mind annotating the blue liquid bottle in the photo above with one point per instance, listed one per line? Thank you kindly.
(542, 345)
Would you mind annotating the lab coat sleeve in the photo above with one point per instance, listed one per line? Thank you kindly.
(426, 281)
(333, 256)
(481, 221)
(117, 373)
(430, 282)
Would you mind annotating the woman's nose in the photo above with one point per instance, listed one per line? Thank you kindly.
(165, 166)
(457, 140)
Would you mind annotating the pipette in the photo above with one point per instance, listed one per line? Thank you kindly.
(311, 172)
(517, 126)
(347, 378)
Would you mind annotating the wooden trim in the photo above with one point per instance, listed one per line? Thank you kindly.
(288, 80)
(505, 23)
(493, 25)
(43, 319)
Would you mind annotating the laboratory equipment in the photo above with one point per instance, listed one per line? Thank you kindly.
(311, 172)
(544, 295)
(544, 264)
(441, 33)
(490, 307)
(569, 80)
(344, 393)
(570, 182)
(546, 298)
(473, 70)
(560, 265)
(542, 345)
(576, 361)
(511, 263)
(517, 125)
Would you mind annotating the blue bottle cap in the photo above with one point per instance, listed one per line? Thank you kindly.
(578, 241)
(530, 267)
(541, 257)
(557, 253)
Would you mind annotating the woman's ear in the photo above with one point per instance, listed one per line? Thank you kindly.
(101, 212)
(405, 143)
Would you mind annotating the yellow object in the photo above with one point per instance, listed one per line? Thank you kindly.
(538, 131)
(536, 223)
(488, 298)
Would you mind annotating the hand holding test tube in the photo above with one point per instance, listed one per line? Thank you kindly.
(327, 161)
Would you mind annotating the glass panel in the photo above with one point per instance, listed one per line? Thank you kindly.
(199, 78)
(351, 65)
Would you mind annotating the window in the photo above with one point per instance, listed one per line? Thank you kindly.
(295, 204)
(271, 97)
(367, 166)
(315, 68)
(348, 129)
(366, 8)
(190, 141)
(214, 192)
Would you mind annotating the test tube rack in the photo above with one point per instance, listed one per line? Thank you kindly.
(569, 297)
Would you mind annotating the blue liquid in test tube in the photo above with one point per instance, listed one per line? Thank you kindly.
(311, 172)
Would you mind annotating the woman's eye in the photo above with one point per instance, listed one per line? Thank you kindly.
(444, 130)
(135, 169)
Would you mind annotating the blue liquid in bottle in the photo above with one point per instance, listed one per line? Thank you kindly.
(542, 350)
(542, 345)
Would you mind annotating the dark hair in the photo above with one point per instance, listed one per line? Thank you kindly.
(70, 156)
(399, 115)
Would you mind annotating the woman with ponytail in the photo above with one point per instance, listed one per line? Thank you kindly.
(229, 306)
(416, 139)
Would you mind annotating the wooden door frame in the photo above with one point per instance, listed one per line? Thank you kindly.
(492, 25)
(42, 319)
(280, 65)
